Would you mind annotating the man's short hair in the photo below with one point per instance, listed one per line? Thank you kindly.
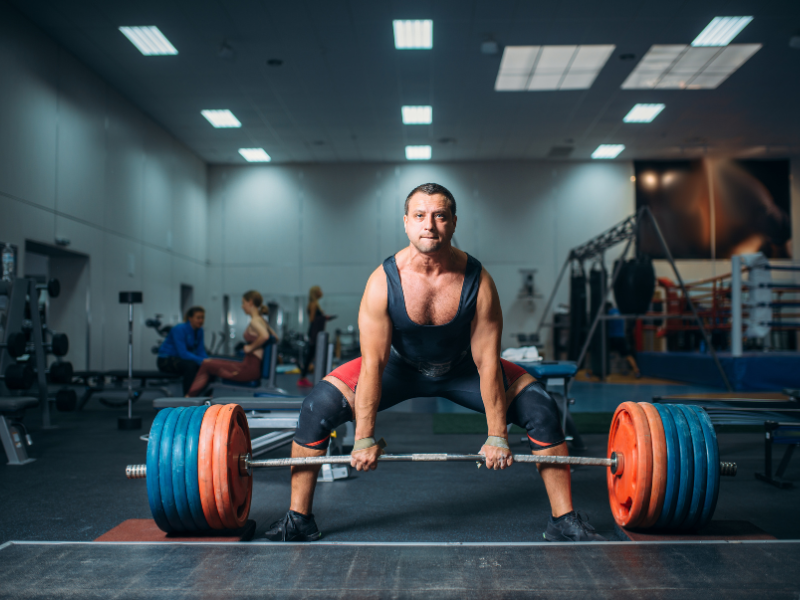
(192, 311)
(429, 189)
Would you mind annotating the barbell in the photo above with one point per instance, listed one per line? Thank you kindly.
(663, 467)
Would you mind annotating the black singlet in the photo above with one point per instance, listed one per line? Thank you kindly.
(432, 349)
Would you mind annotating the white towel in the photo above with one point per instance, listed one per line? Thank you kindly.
(524, 354)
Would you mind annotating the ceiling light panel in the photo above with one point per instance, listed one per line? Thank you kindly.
(149, 40)
(721, 31)
(418, 152)
(547, 68)
(643, 113)
(221, 118)
(417, 115)
(608, 151)
(686, 67)
(413, 35)
(254, 154)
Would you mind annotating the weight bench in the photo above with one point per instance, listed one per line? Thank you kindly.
(558, 374)
(787, 434)
(12, 432)
(95, 382)
(264, 385)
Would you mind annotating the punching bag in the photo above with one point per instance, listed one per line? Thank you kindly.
(635, 284)
(577, 313)
(598, 280)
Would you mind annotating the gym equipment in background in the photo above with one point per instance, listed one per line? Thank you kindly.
(130, 422)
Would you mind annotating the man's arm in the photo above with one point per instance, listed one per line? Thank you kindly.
(375, 329)
(487, 328)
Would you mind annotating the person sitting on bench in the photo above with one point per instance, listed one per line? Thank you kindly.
(256, 335)
(184, 349)
(618, 340)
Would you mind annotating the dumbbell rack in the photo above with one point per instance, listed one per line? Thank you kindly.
(18, 294)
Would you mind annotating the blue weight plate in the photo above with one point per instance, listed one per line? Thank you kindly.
(712, 454)
(700, 468)
(686, 461)
(153, 487)
(165, 470)
(192, 480)
(673, 467)
(179, 470)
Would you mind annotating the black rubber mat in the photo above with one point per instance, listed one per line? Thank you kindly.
(610, 570)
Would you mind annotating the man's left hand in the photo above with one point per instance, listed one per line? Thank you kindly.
(497, 458)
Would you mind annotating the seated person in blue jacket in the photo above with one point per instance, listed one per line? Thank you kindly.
(184, 349)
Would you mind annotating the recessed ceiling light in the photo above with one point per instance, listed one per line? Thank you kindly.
(221, 118)
(418, 152)
(608, 150)
(541, 68)
(254, 154)
(417, 115)
(721, 31)
(683, 67)
(149, 40)
(643, 113)
(413, 35)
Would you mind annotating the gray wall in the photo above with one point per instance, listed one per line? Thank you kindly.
(77, 160)
(282, 229)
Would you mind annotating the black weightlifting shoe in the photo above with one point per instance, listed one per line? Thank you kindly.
(571, 527)
(293, 527)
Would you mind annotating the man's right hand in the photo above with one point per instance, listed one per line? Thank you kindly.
(366, 459)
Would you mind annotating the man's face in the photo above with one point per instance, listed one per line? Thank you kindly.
(197, 320)
(429, 223)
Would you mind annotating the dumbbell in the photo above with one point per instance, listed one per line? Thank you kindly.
(61, 372)
(58, 346)
(53, 288)
(663, 467)
(19, 376)
(15, 344)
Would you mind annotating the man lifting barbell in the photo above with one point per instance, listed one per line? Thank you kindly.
(430, 324)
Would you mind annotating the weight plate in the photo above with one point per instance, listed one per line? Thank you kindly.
(192, 481)
(153, 486)
(629, 487)
(686, 471)
(659, 480)
(712, 456)
(700, 468)
(179, 470)
(673, 466)
(205, 467)
(165, 470)
(232, 490)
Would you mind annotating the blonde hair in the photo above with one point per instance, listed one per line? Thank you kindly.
(314, 293)
(257, 300)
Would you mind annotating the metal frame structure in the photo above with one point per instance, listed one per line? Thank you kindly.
(625, 231)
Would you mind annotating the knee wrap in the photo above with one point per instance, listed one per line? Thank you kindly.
(324, 409)
(538, 413)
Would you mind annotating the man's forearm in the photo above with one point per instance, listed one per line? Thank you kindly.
(368, 397)
(494, 401)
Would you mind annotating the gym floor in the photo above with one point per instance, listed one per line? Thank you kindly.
(77, 490)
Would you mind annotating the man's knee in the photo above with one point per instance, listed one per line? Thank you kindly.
(323, 410)
(538, 413)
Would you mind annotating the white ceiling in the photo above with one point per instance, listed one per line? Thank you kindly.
(338, 93)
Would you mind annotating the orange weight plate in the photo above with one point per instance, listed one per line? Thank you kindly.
(232, 490)
(205, 467)
(629, 487)
(658, 488)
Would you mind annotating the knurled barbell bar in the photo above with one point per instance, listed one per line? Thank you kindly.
(663, 464)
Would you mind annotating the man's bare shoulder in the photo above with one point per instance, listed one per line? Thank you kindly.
(376, 284)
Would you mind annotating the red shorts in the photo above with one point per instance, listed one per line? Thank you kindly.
(348, 373)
